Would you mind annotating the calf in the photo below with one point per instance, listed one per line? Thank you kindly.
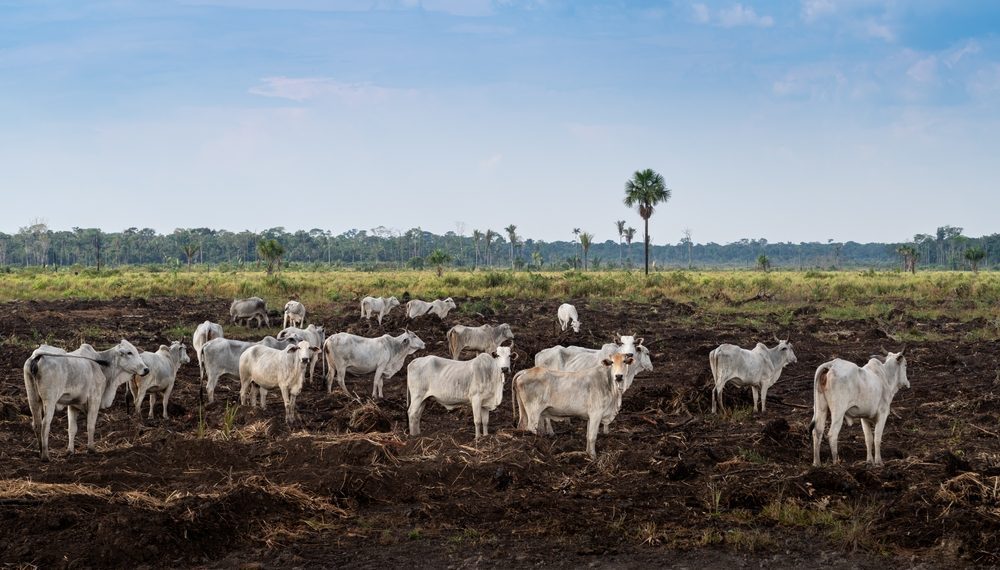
(850, 391)
(220, 358)
(83, 380)
(163, 365)
(593, 394)
(271, 368)
(379, 306)
(759, 368)
(252, 308)
(485, 338)
(295, 314)
(453, 383)
(566, 314)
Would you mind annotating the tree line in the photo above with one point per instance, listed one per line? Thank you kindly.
(38, 245)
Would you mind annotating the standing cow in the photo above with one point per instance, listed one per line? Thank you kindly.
(759, 368)
(345, 352)
(453, 383)
(593, 394)
(295, 314)
(379, 306)
(315, 335)
(163, 365)
(848, 391)
(270, 368)
(84, 380)
(482, 339)
(567, 316)
(205, 332)
(247, 309)
(220, 358)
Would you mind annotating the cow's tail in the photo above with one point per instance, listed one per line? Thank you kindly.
(362, 307)
(820, 381)
(31, 387)
(453, 343)
(513, 399)
(713, 363)
(201, 363)
(331, 370)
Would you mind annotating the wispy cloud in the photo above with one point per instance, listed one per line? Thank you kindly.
(492, 162)
(813, 10)
(310, 88)
(734, 16)
(482, 29)
(879, 30)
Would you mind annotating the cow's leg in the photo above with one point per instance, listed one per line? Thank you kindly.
(342, 378)
(866, 426)
(605, 428)
(166, 397)
(45, 428)
(719, 386)
(152, 402)
(263, 396)
(312, 368)
(818, 424)
(879, 428)
(763, 397)
(377, 383)
(244, 389)
(286, 398)
(593, 423)
(92, 411)
(477, 416)
(71, 416)
(416, 409)
(213, 379)
(756, 396)
(486, 421)
(836, 422)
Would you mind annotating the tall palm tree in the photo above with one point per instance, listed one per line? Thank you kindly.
(645, 190)
(974, 255)
(490, 234)
(586, 239)
(576, 236)
(620, 225)
(476, 236)
(629, 236)
(190, 250)
(270, 251)
(511, 229)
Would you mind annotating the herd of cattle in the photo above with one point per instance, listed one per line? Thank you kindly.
(565, 382)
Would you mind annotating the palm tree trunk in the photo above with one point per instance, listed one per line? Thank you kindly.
(646, 242)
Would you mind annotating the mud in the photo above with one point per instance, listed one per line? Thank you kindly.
(672, 484)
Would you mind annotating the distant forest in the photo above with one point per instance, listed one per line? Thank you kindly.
(38, 245)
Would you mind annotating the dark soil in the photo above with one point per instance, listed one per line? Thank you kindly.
(673, 485)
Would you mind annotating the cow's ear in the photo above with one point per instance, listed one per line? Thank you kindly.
(629, 360)
(639, 340)
(292, 348)
(513, 356)
(607, 362)
(314, 348)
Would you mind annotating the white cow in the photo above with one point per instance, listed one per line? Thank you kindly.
(295, 314)
(252, 308)
(759, 368)
(205, 332)
(220, 358)
(453, 383)
(84, 380)
(272, 368)
(314, 335)
(163, 365)
(379, 306)
(567, 316)
(577, 358)
(593, 394)
(483, 339)
(345, 352)
(440, 307)
(849, 391)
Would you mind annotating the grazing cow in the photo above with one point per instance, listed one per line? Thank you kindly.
(83, 380)
(483, 339)
(377, 305)
(577, 358)
(849, 391)
(205, 332)
(252, 308)
(315, 335)
(384, 356)
(270, 368)
(593, 394)
(567, 316)
(758, 368)
(453, 383)
(295, 314)
(220, 357)
(163, 365)
(439, 307)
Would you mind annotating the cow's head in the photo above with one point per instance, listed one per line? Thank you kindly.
(643, 359)
(128, 359)
(785, 350)
(505, 332)
(412, 341)
(449, 303)
(619, 363)
(504, 356)
(392, 302)
(179, 352)
(576, 325)
(900, 361)
(302, 351)
(627, 344)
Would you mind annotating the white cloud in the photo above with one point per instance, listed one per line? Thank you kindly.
(734, 16)
(879, 30)
(309, 88)
(952, 58)
(816, 83)
(491, 163)
(924, 70)
(813, 10)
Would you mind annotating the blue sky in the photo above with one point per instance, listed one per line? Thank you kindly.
(859, 120)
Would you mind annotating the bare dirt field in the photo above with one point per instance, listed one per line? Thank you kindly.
(673, 485)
